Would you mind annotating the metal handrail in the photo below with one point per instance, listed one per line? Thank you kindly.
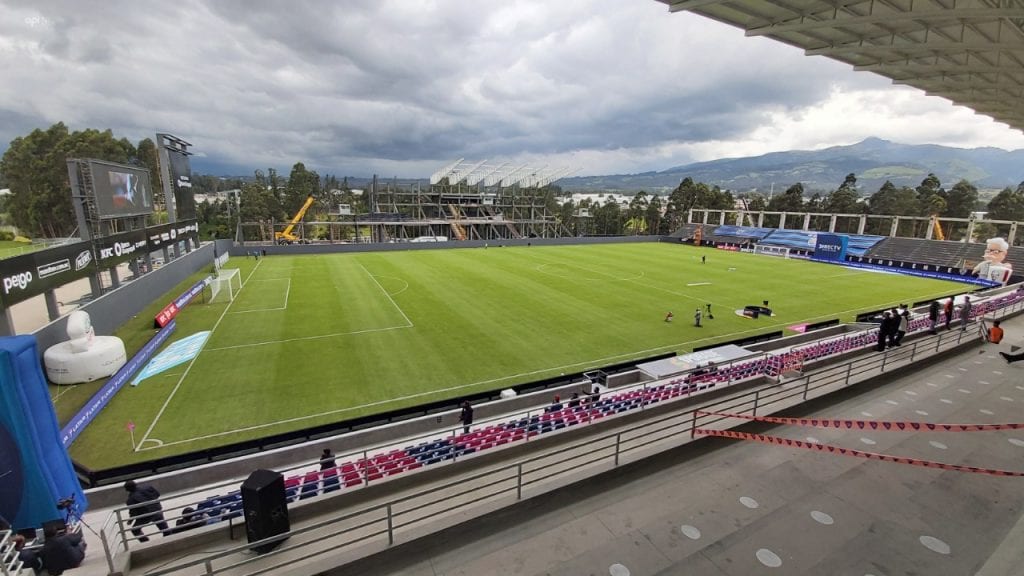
(669, 428)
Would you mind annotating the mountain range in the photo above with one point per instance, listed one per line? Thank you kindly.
(873, 161)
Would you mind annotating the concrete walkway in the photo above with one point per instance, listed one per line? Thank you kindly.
(726, 507)
(719, 507)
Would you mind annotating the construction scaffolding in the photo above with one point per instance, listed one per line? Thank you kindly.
(464, 201)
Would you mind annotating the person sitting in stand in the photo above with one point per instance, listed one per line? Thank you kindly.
(327, 460)
(61, 551)
(556, 405)
(595, 394)
(189, 519)
(28, 557)
(574, 402)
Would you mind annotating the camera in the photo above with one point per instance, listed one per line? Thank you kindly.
(66, 503)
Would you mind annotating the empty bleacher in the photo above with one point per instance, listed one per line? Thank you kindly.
(929, 252)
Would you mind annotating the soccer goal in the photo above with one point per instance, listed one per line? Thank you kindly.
(765, 250)
(225, 285)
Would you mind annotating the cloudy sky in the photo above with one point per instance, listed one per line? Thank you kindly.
(404, 87)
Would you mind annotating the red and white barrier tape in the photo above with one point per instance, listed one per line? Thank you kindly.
(850, 452)
(867, 424)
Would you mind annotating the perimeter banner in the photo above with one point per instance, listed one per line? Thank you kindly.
(28, 275)
(100, 399)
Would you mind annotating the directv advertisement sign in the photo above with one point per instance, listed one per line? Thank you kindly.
(830, 248)
(112, 250)
(23, 277)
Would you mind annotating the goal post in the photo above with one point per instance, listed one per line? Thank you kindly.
(225, 285)
(765, 250)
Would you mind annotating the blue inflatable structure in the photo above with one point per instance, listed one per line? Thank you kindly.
(35, 469)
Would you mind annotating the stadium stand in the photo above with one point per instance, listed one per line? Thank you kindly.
(929, 252)
(356, 473)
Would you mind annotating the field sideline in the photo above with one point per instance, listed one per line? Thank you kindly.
(316, 339)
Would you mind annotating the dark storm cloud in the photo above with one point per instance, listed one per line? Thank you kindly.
(404, 87)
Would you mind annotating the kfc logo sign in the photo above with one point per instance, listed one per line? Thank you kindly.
(119, 249)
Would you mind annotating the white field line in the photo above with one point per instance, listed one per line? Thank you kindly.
(400, 280)
(542, 269)
(680, 345)
(300, 338)
(61, 390)
(191, 363)
(392, 300)
(562, 368)
(287, 291)
(681, 295)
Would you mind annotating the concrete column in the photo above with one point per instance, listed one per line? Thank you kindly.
(782, 221)
(970, 230)
(895, 226)
(95, 285)
(863, 222)
(6, 323)
(705, 220)
(807, 221)
(760, 219)
(1012, 234)
(52, 308)
(931, 229)
(721, 218)
(832, 223)
(114, 281)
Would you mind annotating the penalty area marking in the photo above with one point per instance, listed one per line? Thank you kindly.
(592, 362)
(192, 362)
(406, 287)
(387, 294)
(287, 292)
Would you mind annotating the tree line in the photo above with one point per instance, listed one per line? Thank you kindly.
(34, 168)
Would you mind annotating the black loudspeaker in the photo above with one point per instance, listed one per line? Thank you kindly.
(265, 507)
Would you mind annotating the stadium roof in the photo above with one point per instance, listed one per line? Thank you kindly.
(970, 52)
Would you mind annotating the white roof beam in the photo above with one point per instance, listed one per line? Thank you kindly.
(436, 177)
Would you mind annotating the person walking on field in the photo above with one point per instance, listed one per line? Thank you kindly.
(697, 315)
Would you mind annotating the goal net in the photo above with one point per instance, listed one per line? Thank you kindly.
(765, 250)
(225, 285)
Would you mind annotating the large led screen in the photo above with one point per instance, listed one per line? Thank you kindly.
(121, 190)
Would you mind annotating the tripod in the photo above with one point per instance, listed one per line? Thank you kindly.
(73, 515)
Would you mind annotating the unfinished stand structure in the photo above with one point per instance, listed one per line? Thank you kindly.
(463, 201)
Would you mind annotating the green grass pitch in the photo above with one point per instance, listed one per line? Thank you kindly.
(316, 339)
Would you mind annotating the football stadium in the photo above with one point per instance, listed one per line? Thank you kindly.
(439, 387)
